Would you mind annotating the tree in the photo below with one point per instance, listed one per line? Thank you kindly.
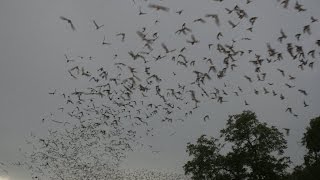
(311, 140)
(205, 152)
(256, 152)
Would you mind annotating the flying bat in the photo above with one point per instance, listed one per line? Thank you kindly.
(68, 21)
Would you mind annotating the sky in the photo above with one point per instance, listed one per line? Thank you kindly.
(33, 41)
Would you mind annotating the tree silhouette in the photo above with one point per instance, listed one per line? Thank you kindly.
(256, 152)
(311, 140)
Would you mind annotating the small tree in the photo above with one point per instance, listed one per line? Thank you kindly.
(205, 152)
(311, 140)
(256, 152)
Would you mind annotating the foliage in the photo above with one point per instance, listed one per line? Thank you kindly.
(204, 152)
(256, 152)
(311, 140)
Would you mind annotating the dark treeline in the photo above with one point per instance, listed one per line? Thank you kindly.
(255, 151)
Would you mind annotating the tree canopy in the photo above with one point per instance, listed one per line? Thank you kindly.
(256, 152)
(311, 166)
(311, 140)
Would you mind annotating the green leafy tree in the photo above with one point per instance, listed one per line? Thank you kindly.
(205, 152)
(311, 140)
(256, 152)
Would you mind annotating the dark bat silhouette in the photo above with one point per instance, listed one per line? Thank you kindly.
(68, 21)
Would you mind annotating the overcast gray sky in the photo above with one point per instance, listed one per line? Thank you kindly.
(33, 41)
